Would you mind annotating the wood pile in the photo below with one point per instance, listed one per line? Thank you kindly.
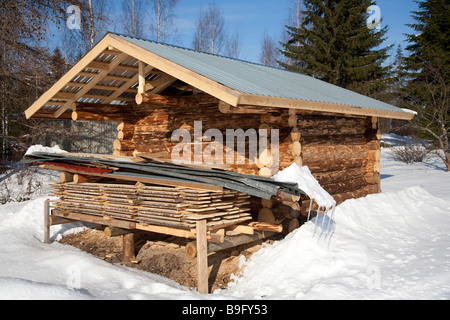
(164, 206)
(142, 190)
(164, 172)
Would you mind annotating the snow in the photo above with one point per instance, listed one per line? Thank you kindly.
(40, 148)
(306, 182)
(393, 245)
(388, 246)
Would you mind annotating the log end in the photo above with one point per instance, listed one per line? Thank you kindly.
(139, 99)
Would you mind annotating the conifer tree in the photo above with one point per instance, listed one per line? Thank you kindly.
(335, 44)
(428, 72)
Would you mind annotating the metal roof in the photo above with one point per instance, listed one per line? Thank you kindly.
(255, 79)
(109, 74)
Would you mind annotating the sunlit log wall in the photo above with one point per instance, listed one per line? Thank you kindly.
(342, 152)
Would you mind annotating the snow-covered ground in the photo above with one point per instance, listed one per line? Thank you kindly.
(393, 245)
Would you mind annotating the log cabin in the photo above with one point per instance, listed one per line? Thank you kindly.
(152, 90)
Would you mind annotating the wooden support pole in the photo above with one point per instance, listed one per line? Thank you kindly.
(202, 257)
(47, 221)
(141, 87)
(128, 247)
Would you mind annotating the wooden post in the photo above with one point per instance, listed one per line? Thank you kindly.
(141, 87)
(47, 221)
(202, 257)
(128, 248)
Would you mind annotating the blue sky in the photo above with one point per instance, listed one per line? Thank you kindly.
(252, 18)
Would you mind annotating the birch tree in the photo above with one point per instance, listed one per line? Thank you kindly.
(162, 21)
(210, 33)
(132, 16)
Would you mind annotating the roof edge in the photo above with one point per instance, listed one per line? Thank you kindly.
(266, 101)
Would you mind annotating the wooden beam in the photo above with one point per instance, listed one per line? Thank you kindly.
(264, 101)
(94, 219)
(161, 81)
(49, 115)
(229, 242)
(61, 83)
(177, 71)
(166, 230)
(98, 65)
(202, 257)
(141, 77)
(168, 101)
(126, 86)
(127, 68)
(96, 79)
(117, 78)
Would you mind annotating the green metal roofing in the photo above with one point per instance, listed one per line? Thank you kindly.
(255, 79)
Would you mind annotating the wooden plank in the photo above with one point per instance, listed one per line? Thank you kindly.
(154, 180)
(165, 230)
(94, 219)
(54, 221)
(202, 257)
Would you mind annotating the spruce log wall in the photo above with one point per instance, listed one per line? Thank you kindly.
(342, 152)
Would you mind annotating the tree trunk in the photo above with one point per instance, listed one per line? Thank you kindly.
(447, 160)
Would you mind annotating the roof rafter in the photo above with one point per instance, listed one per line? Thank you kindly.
(96, 79)
(203, 83)
(79, 67)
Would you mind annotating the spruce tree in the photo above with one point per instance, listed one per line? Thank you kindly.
(335, 44)
(428, 72)
(57, 65)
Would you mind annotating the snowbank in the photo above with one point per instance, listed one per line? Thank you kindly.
(30, 269)
(385, 246)
(306, 182)
(394, 245)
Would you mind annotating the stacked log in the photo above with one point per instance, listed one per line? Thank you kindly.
(342, 154)
(295, 135)
(284, 210)
(264, 161)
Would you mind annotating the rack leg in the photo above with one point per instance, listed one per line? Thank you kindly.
(47, 221)
(202, 257)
